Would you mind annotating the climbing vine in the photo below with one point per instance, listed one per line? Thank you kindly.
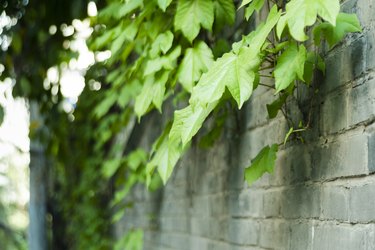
(180, 50)
(198, 54)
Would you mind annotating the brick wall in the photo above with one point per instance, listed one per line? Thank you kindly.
(322, 194)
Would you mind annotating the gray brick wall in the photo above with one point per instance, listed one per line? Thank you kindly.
(322, 194)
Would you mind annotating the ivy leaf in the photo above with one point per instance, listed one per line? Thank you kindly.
(235, 70)
(290, 65)
(262, 163)
(302, 13)
(165, 154)
(225, 12)
(167, 62)
(188, 121)
(257, 38)
(191, 15)
(256, 5)
(152, 92)
(162, 43)
(110, 167)
(163, 4)
(345, 23)
(228, 71)
(197, 60)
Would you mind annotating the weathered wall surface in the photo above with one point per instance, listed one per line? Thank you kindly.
(322, 194)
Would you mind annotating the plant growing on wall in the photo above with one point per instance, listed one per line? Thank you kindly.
(196, 55)
(189, 56)
(181, 50)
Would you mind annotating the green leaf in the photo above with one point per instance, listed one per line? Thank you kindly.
(345, 23)
(231, 71)
(128, 92)
(165, 156)
(167, 62)
(257, 38)
(110, 167)
(290, 65)
(127, 8)
(256, 5)
(188, 121)
(197, 60)
(103, 107)
(191, 15)
(275, 106)
(152, 92)
(303, 13)
(136, 158)
(133, 240)
(244, 2)
(262, 163)
(162, 44)
(163, 4)
(225, 12)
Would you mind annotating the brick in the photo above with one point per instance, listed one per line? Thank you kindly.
(293, 165)
(339, 237)
(272, 203)
(243, 231)
(362, 203)
(371, 155)
(334, 113)
(345, 157)
(256, 109)
(300, 236)
(217, 246)
(370, 59)
(361, 103)
(199, 243)
(219, 205)
(274, 234)
(246, 203)
(335, 203)
(300, 202)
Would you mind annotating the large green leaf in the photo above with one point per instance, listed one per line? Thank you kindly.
(229, 71)
(262, 163)
(197, 60)
(188, 121)
(257, 38)
(165, 154)
(345, 23)
(302, 13)
(290, 65)
(191, 15)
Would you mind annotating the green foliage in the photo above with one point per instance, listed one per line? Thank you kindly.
(262, 163)
(174, 57)
(290, 66)
(345, 23)
(191, 15)
(169, 64)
